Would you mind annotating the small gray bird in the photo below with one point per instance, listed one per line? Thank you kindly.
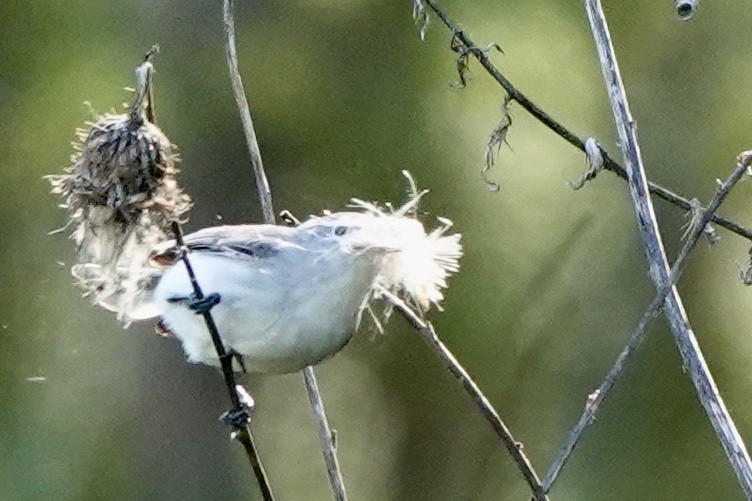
(288, 297)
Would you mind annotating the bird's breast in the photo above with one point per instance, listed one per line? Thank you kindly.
(281, 313)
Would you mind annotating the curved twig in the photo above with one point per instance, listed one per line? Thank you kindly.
(561, 131)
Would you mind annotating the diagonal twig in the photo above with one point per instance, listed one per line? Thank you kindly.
(265, 198)
(560, 130)
(596, 398)
(686, 341)
(241, 433)
(427, 332)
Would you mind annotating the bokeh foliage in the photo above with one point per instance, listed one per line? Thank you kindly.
(345, 96)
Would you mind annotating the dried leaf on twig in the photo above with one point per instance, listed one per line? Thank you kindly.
(463, 57)
(420, 16)
(493, 146)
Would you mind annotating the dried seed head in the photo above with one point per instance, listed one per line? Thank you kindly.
(125, 164)
(122, 194)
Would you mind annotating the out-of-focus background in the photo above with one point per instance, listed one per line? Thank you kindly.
(345, 96)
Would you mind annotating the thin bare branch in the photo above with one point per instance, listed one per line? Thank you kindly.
(694, 361)
(596, 398)
(241, 432)
(265, 198)
(326, 436)
(560, 130)
(427, 332)
(262, 184)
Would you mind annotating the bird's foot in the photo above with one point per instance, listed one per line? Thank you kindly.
(240, 416)
(204, 304)
(237, 418)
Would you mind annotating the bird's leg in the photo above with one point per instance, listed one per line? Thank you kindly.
(287, 217)
(239, 359)
(234, 357)
(237, 418)
(162, 329)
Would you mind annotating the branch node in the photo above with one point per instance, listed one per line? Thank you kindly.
(686, 9)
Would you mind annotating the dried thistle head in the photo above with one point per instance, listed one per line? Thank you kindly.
(126, 164)
(121, 193)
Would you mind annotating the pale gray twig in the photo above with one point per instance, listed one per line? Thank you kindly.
(689, 349)
(427, 332)
(265, 198)
(326, 436)
(262, 184)
(596, 398)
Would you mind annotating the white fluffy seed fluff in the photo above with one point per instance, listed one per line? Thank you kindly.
(418, 263)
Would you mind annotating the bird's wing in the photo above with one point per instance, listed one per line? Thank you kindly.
(255, 241)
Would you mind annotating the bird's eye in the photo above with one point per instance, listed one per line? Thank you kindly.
(340, 230)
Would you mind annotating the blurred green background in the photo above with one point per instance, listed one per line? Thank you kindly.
(345, 96)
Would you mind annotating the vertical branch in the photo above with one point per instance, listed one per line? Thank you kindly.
(262, 184)
(265, 197)
(241, 430)
(326, 436)
(694, 362)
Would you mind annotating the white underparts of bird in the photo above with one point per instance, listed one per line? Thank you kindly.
(289, 297)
